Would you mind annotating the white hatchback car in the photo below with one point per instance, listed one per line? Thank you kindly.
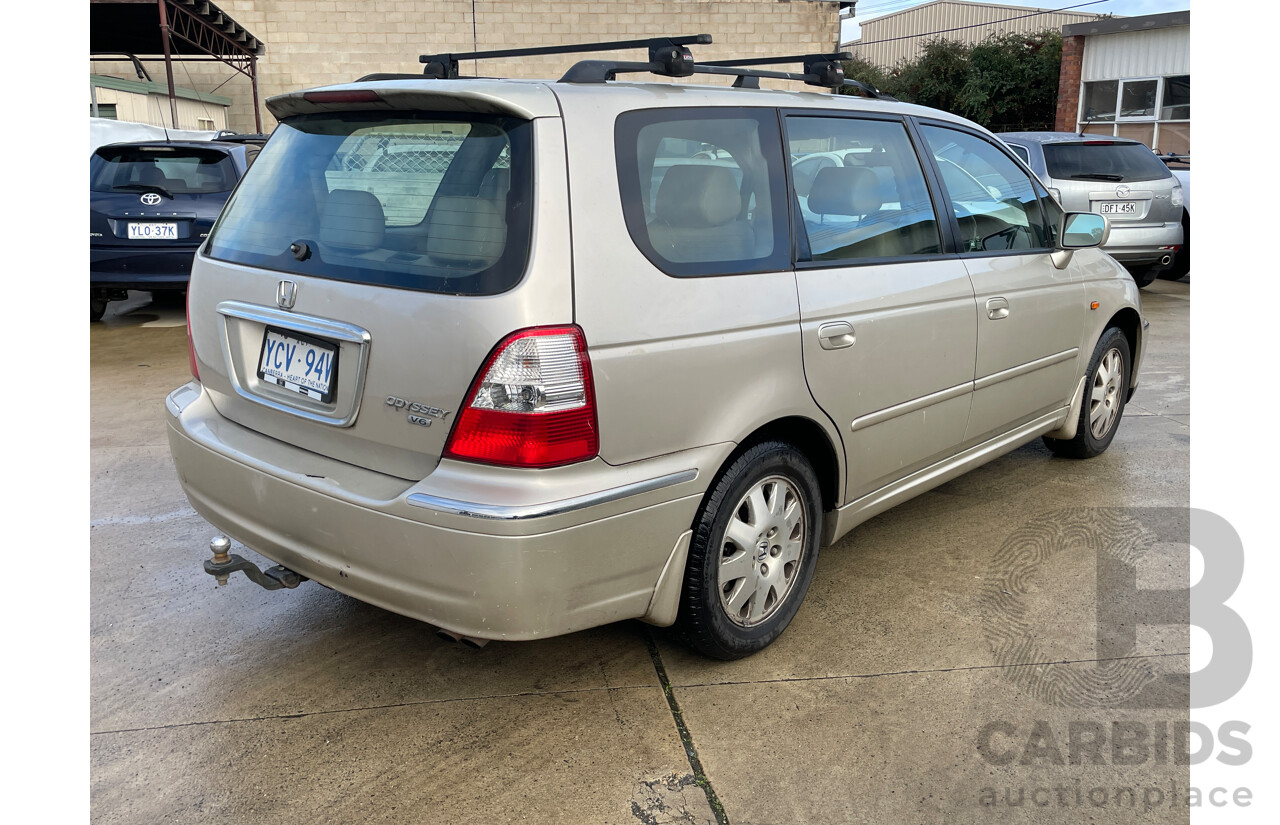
(579, 354)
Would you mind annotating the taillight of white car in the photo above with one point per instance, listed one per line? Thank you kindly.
(1176, 198)
(532, 404)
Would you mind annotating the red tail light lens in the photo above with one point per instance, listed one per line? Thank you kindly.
(191, 345)
(532, 404)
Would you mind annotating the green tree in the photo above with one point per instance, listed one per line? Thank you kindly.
(1005, 82)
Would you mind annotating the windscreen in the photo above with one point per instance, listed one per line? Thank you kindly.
(171, 170)
(398, 199)
(1103, 161)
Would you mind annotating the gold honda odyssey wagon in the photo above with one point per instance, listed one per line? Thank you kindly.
(518, 358)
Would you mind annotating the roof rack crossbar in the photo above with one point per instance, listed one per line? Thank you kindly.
(767, 61)
(669, 52)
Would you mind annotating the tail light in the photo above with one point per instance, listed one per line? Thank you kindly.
(1176, 199)
(532, 404)
(1057, 195)
(191, 345)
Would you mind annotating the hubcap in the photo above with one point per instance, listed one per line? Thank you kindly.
(1104, 400)
(762, 549)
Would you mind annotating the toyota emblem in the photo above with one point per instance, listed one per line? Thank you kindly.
(1122, 191)
(151, 199)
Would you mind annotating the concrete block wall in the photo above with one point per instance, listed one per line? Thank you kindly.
(319, 42)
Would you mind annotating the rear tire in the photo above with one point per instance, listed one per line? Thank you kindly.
(753, 552)
(97, 307)
(1105, 392)
(1182, 263)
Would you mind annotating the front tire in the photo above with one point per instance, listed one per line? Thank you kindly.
(1144, 276)
(1105, 393)
(753, 552)
(97, 306)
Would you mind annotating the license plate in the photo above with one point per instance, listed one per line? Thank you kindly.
(153, 231)
(1118, 208)
(299, 363)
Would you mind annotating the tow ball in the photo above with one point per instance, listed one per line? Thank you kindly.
(224, 563)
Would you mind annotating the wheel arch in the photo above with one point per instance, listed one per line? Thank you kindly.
(810, 438)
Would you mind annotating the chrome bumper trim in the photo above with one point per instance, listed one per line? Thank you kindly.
(550, 508)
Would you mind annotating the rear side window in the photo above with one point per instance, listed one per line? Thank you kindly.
(703, 190)
(860, 190)
(1021, 152)
(405, 200)
(1103, 160)
(175, 170)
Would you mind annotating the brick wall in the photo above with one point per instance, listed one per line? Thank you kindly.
(318, 42)
(1069, 84)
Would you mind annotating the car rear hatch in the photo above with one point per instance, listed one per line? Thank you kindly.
(383, 242)
(157, 195)
(1123, 180)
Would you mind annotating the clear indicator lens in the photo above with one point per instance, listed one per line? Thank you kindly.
(535, 374)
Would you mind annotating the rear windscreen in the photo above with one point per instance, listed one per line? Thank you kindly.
(1103, 161)
(173, 170)
(397, 199)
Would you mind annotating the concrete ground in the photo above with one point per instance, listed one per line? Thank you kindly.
(949, 663)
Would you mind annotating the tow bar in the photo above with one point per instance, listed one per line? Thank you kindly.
(224, 563)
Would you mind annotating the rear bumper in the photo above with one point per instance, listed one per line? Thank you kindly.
(1142, 244)
(497, 569)
(140, 268)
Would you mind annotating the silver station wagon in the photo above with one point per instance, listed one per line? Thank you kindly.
(518, 358)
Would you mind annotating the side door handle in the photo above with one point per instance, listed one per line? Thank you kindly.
(997, 308)
(837, 335)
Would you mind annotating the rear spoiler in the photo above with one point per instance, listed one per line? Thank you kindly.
(522, 100)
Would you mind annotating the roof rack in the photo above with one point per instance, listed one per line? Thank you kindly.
(668, 57)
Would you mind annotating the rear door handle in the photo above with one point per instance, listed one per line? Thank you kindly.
(997, 308)
(836, 335)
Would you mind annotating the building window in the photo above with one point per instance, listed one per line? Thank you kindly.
(1177, 98)
(204, 124)
(107, 110)
(1154, 110)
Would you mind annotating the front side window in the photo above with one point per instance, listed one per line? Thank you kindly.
(702, 189)
(859, 189)
(995, 203)
(416, 201)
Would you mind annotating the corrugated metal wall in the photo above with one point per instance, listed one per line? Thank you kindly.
(987, 19)
(1137, 54)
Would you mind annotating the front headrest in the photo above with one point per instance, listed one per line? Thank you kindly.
(697, 196)
(353, 219)
(465, 232)
(849, 191)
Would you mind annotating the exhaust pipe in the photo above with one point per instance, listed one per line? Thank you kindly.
(469, 641)
(1166, 260)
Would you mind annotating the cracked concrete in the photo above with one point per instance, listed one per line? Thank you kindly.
(238, 705)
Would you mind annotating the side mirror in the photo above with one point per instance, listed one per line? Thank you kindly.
(1082, 230)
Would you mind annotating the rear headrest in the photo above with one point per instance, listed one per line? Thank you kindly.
(850, 191)
(353, 219)
(696, 196)
(496, 184)
(465, 232)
